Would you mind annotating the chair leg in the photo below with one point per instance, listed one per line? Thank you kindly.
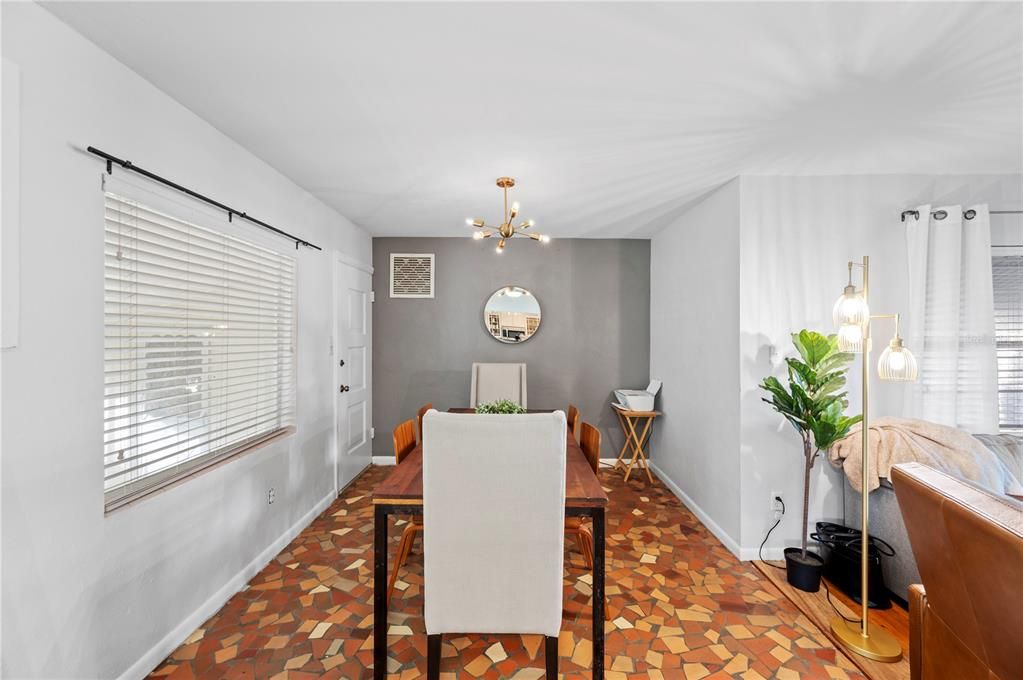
(550, 652)
(585, 540)
(407, 537)
(582, 541)
(411, 531)
(433, 657)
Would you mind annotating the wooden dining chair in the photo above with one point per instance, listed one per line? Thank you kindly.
(489, 570)
(404, 443)
(573, 420)
(419, 419)
(589, 442)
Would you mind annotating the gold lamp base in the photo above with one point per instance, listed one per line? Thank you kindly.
(879, 645)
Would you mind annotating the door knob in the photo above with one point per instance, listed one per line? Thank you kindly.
(344, 388)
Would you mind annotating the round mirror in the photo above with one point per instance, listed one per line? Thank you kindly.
(512, 314)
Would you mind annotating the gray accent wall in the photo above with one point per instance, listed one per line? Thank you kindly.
(594, 334)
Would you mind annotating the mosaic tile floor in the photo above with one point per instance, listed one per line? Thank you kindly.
(682, 607)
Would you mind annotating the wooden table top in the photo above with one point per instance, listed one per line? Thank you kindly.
(404, 486)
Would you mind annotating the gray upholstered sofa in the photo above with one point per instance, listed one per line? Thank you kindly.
(886, 520)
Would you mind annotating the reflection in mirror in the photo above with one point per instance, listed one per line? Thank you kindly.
(512, 314)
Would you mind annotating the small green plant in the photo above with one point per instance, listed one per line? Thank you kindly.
(813, 401)
(502, 406)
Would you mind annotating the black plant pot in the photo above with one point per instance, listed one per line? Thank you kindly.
(803, 573)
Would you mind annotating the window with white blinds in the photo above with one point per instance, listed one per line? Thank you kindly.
(198, 351)
(1008, 284)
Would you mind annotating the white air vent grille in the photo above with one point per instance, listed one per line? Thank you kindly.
(412, 275)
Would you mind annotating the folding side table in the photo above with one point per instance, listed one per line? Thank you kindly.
(636, 426)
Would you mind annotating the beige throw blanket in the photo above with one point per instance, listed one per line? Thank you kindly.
(903, 440)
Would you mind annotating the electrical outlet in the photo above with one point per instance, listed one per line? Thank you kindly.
(271, 496)
(777, 507)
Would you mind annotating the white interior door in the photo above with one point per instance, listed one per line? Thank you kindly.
(353, 360)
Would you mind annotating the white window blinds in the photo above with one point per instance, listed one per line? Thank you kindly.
(199, 333)
(1008, 284)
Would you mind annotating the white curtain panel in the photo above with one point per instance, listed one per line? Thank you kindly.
(950, 322)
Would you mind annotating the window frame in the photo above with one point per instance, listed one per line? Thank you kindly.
(177, 473)
(1003, 427)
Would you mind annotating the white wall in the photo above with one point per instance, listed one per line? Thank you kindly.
(93, 596)
(694, 349)
(797, 234)
(787, 241)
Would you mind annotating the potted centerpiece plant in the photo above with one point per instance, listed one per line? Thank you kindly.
(502, 406)
(814, 404)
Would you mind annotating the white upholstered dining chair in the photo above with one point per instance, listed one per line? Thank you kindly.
(497, 381)
(494, 518)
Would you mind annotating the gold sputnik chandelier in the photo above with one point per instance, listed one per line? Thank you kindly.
(507, 229)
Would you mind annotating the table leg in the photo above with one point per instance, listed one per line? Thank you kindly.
(380, 517)
(625, 440)
(598, 593)
(636, 446)
(643, 440)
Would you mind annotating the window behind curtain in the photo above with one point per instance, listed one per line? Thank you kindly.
(199, 330)
(1008, 284)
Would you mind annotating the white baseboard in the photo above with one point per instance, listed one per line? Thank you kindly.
(770, 553)
(713, 526)
(151, 659)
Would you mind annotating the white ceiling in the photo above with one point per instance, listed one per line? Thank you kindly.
(613, 117)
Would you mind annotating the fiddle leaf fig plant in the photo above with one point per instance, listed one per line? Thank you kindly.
(503, 406)
(813, 401)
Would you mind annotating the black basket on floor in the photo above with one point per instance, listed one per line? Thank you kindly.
(844, 548)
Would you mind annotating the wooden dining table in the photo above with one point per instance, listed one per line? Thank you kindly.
(402, 493)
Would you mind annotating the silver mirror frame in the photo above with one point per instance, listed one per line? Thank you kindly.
(511, 341)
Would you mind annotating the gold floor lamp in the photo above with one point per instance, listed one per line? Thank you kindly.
(853, 318)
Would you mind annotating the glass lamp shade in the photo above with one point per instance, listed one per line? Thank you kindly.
(897, 363)
(850, 338)
(850, 308)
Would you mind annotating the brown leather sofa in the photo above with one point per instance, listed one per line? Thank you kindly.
(966, 620)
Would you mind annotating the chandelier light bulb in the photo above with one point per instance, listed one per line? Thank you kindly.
(507, 228)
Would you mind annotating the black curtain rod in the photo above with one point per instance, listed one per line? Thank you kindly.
(231, 212)
(968, 214)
